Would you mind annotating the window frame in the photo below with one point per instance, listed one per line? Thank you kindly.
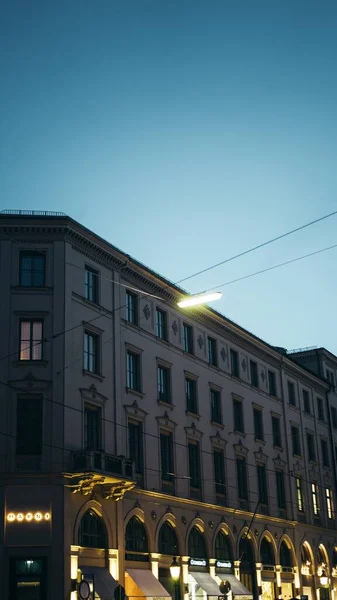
(90, 273)
(131, 308)
(212, 350)
(241, 429)
(329, 503)
(242, 478)
(216, 408)
(135, 374)
(254, 373)
(166, 435)
(299, 494)
(192, 383)
(161, 324)
(258, 425)
(272, 386)
(234, 363)
(312, 454)
(320, 409)
(188, 343)
(315, 498)
(325, 453)
(87, 354)
(32, 254)
(262, 481)
(164, 384)
(295, 440)
(219, 478)
(31, 341)
(138, 443)
(306, 402)
(292, 393)
(274, 419)
(195, 473)
(280, 490)
(93, 409)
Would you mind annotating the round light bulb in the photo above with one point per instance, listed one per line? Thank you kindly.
(19, 517)
(38, 516)
(11, 517)
(29, 516)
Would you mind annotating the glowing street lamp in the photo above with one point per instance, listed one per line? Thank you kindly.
(199, 299)
(324, 580)
(175, 569)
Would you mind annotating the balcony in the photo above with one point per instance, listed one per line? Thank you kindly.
(114, 475)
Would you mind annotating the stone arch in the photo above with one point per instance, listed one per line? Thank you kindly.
(321, 548)
(138, 514)
(285, 539)
(99, 510)
(244, 533)
(225, 529)
(199, 524)
(172, 520)
(309, 552)
(266, 535)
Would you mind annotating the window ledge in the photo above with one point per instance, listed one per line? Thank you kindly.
(192, 414)
(216, 424)
(95, 375)
(168, 404)
(235, 377)
(259, 441)
(236, 432)
(134, 326)
(298, 455)
(293, 406)
(189, 354)
(214, 367)
(278, 447)
(31, 290)
(30, 363)
(136, 392)
(163, 341)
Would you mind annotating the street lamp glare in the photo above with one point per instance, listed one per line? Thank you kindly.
(323, 579)
(199, 299)
(175, 569)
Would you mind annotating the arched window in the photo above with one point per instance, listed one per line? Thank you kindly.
(92, 531)
(196, 544)
(167, 541)
(321, 555)
(285, 555)
(223, 550)
(267, 555)
(135, 539)
(246, 552)
(334, 556)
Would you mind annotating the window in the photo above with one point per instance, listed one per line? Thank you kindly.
(222, 547)
(188, 338)
(194, 466)
(254, 376)
(31, 335)
(334, 417)
(212, 352)
(276, 427)
(241, 472)
(219, 472)
(92, 531)
(32, 269)
(29, 427)
(92, 428)
(90, 352)
(291, 393)
(262, 484)
(329, 503)
(167, 540)
(306, 402)
(191, 395)
(91, 284)
(299, 494)
(325, 453)
(196, 544)
(131, 308)
(331, 379)
(281, 493)
(216, 415)
(272, 383)
(238, 416)
(295, 438)
(258, 424)
(163, 379)
(136, 539)
(311, 447)
(320, 409)
(314, 495)
(234, 363)
(133, 371)
(166, 455)
(161, 324)
(135, 434)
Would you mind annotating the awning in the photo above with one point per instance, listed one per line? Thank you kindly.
(238, 589)
(148, 584)
(206, 582)
(105, 584)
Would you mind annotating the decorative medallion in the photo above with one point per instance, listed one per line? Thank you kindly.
(263, 375)
(210, 524)
(183, 520)
(154, 515)
(244, 364)
(223, 354)
(147, 311)
(200, 341)
(175, 327)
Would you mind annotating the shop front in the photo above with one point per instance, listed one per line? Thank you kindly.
(268, 570)
(287, 572)
(247, 566)
(200, 583)
(224, 568)
(323, 580)
(308, 581)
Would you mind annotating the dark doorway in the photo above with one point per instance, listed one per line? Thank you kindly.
(247, 566)
(27, 579)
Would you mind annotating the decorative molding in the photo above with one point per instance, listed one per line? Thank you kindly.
(278, 462)
(174, 327)
(200, 341)
(260, 456)
(165, 421)
(218, 441)
(223, 354)
(133, 410)
(147, 312)
(263, 375)
(92, 395)
(30, 382)
(193, 432)
(240, 449)
(244, 364)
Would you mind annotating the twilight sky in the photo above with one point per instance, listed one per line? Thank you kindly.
(184, 131)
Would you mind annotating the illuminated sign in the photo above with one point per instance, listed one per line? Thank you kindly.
(223, 564)
(28, 517)
(198, 562)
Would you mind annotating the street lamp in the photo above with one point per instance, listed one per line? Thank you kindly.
(324, 580)
(199, 299)
(175, 574)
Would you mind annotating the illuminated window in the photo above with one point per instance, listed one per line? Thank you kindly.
(329, 502)
(299, 494)
(30, 340)
(314, 494)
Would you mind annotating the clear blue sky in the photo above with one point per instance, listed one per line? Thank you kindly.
(184, 132)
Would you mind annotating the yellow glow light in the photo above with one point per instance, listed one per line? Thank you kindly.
(38, 516)
(199, 299)
(19, 517)
(11, 517)
(47, 517)
(29, 516)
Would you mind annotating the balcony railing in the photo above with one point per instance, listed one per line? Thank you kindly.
(33, 213)
(101, 462)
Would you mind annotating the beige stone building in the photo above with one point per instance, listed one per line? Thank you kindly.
(133, 431)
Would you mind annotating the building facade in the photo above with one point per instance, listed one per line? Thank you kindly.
(134, 431)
